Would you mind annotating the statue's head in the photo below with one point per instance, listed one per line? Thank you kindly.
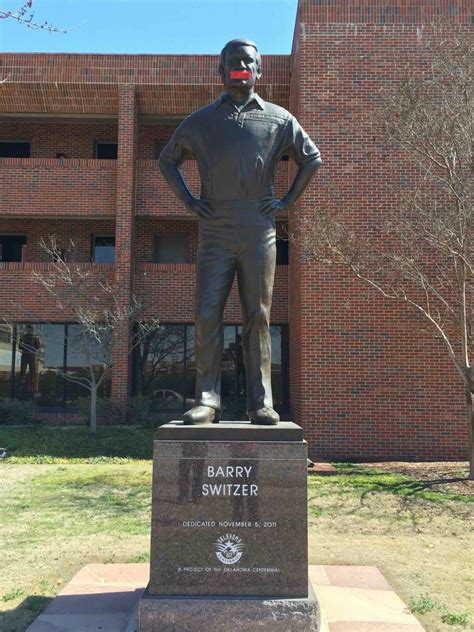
(240, 64)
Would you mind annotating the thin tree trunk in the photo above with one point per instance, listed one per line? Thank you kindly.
(93, 422)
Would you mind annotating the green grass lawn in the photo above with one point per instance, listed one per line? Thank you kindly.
(111, 444)
(68, 499)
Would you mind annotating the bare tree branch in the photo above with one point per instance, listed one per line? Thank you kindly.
(26, 16)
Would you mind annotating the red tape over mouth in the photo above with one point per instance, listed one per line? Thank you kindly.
(240, 74)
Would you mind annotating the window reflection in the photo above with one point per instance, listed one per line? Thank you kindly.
(43, 354)
(6, 359)
(160, 363)
(40, 360)
(103, 248)
(165, 369)
(83, 351)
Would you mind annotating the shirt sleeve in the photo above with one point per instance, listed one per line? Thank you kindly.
(298, 145)
(179, 148)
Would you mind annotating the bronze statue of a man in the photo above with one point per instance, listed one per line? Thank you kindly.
(237, 142)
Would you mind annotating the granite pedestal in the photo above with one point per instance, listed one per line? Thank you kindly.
(229, 530)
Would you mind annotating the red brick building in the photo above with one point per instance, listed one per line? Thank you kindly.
(79, 136)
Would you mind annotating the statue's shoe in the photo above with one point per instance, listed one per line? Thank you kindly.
(199, 415)
(264, 416)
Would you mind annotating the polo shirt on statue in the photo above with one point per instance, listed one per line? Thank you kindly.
(237, 149)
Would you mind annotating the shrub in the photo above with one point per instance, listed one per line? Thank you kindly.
(18, 411)
(139, 411)
(108, 411)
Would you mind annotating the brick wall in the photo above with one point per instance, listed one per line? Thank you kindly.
(32, 187)
(367, 382)
(168, 293)
(79, 231)
(47, 139)
(124, 240)
(23, 299)
(81, 84)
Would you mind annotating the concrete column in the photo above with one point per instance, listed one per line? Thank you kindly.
(124, 238)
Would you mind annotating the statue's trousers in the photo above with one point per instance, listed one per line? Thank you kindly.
(236, 239)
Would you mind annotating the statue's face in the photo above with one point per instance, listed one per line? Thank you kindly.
(241, 60)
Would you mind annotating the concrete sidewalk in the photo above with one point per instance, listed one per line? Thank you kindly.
(104, 597)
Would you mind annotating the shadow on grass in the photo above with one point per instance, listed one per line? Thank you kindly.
(369, 480)
(45, 444)
(18, 619)
(425, 489)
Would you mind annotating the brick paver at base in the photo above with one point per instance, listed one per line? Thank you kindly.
(104, 597)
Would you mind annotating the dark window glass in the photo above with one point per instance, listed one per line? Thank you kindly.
(14, 149)
(282, 251)
(6, 359)
(105, 150)
(39, 364)
(103, 248)
(190, 366)
(159, 368)
(159, 145)
(278, 383)
(11, 247)
(165, 369)
(83, 354)
(285, 158)
(169, 249)
(46, 354)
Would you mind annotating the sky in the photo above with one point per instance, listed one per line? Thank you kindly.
(151, 26)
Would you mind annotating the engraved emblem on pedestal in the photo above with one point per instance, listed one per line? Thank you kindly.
(229, 548)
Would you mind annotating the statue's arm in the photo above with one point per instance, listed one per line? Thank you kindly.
(298, 146)
(174, 178)
(177, 150)
(303, 177)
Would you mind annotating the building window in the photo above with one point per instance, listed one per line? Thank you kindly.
(159, 146)
(14, 149)
(84, 352)
(165, 369)
(169, 249)
(103, 248)
(282, 251)
(6, 360)
(12, 247)
(105, 150)
(35, 359)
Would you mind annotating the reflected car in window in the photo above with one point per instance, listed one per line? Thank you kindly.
(165, 398)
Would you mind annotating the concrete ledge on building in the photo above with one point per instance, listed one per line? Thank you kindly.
(106, 596)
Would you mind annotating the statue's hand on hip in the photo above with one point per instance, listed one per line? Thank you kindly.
(199, 207)
(273, 205)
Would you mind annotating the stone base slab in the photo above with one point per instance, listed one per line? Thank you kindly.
(352, 599)
(232, 614)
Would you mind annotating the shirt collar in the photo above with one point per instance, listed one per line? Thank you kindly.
(224, 97)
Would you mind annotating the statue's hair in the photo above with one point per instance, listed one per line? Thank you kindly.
(239, 42)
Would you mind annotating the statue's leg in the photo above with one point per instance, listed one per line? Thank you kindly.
(215, 268)
(256, 271)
